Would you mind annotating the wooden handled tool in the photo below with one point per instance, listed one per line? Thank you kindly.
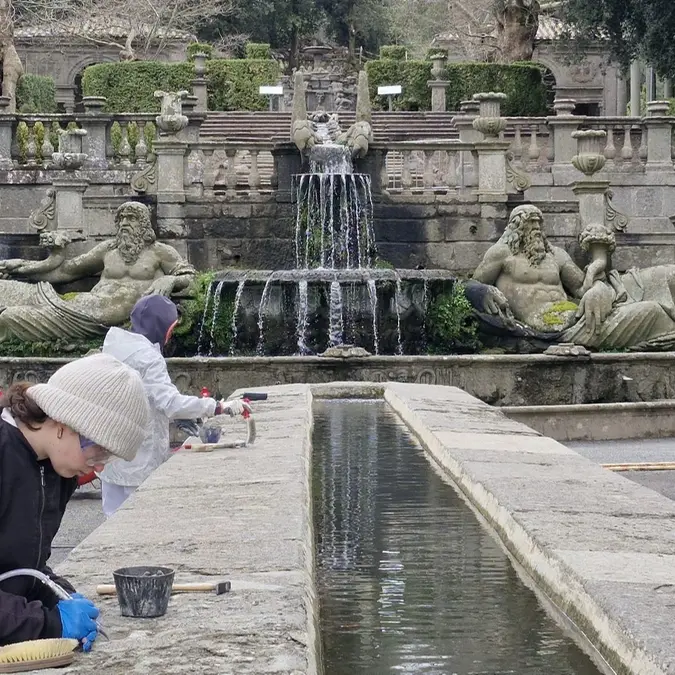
(217, 588)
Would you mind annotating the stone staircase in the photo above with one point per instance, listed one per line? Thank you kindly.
(276, 126)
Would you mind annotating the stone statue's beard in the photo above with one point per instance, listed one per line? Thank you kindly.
(533, 245)
(129, 245)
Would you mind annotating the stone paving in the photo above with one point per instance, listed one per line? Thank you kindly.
(601, 547)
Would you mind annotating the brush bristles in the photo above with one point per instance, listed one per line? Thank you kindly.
(36, 650)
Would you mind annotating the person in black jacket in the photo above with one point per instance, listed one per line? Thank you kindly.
(90, 410)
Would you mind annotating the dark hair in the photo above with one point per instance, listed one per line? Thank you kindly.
(22, 407)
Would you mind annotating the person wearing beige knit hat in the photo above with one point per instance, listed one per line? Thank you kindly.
(88, 412)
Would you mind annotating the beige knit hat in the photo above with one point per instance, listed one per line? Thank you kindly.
(99, 397)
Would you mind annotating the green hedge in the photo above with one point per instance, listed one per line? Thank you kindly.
(258, 50)
(129, 86)
(522, 83)
(393, 52)
(36, 94)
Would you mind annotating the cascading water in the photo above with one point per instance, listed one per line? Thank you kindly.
(336, 291)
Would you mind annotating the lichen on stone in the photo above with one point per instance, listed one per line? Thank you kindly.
(557, 315)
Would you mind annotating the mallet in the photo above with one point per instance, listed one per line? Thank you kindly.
(217, 588)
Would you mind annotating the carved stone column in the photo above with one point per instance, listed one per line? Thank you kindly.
(95, 122)
(492, 183)
(659, 133)
(438, 85)
(562, 127)
(6, 123)
(199, 89)
(468, 111)
(170, 185)
(591, 192)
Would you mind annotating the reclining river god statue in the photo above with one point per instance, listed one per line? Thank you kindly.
(536, 284)
(131, 265)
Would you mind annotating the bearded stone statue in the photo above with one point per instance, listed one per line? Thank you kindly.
(533, 284)
(131, 265)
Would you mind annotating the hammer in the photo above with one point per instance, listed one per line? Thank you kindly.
(217, 588)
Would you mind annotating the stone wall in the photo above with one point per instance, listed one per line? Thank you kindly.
(501, 380)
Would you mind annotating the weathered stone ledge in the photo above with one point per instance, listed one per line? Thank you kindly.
(497, 379)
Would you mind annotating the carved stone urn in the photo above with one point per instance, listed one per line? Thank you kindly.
(489, 121)
(564, 107)
(590, 145)
(70, 155)
(171, 119)
(438, 62)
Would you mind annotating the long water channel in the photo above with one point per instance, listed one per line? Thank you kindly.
(409, 581)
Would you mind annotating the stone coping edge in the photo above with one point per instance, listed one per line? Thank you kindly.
(554, 579)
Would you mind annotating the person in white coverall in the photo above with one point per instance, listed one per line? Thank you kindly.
(153, 320)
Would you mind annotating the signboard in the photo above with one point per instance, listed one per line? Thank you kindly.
(390, 91)
(271, 91)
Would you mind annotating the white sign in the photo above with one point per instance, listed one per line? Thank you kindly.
(271, 91)
(390, 91)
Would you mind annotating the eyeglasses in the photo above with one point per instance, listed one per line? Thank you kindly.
(98, 456)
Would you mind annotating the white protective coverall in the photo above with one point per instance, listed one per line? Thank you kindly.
(120, 478)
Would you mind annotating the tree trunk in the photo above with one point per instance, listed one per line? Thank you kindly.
(517, 26)
(294, 51)
(352, 43)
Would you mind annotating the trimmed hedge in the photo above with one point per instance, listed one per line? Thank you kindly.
(129, 86)
(36, 94)
(258, 50)
(393, 52)
(522, 83)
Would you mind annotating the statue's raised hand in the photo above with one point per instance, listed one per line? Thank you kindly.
(161, 286)
(596, 305)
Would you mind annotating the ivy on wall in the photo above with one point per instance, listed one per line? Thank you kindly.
(129, 86)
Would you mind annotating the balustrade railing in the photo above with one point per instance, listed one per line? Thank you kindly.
(416, 167)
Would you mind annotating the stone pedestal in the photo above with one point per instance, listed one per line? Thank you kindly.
(635, 88)
(438, 88)
(492, 183)
(95, 123)
(287, 163)
(591, 196)
(6, 122)
(69, 204)
(659, 133)
(170, 186)
(468, 111)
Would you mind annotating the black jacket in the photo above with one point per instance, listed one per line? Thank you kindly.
(33, 498)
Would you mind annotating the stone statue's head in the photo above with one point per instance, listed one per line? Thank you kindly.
(524, 234)
(134, 230)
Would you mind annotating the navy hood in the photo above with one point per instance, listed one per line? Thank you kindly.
(152, 316)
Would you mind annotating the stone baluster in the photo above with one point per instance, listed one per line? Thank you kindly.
(47, 148)
(492, 183)
(451, 180)
(95, 122)
(643, 151)
(627, 148)
(254, 173)
(209, 177)
(549, 152)
(125, 146)
(534, 150)
(231, 173)
(406, 172)
(141, 149)
(382, 168)
(659, 134)
(610, 148)
(517, 144)
(31, 147)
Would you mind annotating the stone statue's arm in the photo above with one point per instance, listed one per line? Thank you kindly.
(491, 267)
(178, 273)
(571, 276)
(56, 270)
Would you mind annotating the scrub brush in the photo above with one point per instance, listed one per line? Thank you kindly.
(37, 655)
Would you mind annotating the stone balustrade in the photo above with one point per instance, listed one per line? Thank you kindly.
(410, 167)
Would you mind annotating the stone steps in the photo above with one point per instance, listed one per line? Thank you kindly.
(269, 126)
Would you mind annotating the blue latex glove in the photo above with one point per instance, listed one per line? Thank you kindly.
(78, 620)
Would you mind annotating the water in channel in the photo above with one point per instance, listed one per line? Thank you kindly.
(408, 579)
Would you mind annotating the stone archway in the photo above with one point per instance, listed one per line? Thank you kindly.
(77, 68)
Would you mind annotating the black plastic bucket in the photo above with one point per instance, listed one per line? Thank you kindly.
(143, 592)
